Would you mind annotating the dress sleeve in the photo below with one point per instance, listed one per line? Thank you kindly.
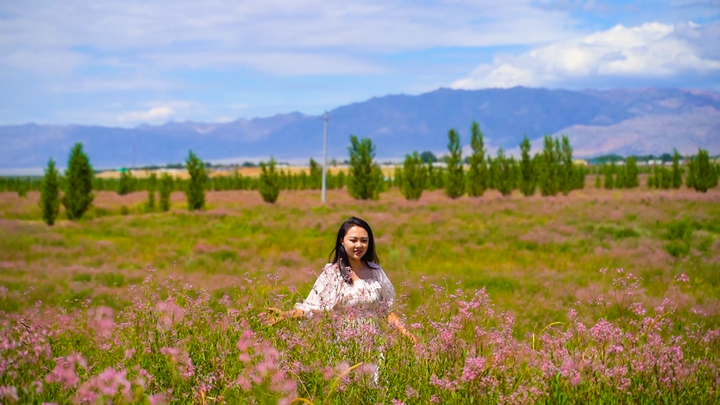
(388, 291)
(326, 293)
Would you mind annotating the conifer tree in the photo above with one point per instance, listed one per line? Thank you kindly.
(664, 176)
(548, 170)
(269, 182)
(705, 176)
(690, 180)
(50, 194)
(504, 180)
(454, 184)
(195, 191)
(620, 181)
(631, 173)
(609, 180)
(414, 177)
(527, 171)
(477, 172)
(78, 184)
(430, 182)
(598, 181)
(166, 189)
(340, 180)
(398, 179)
(363, 182)
(566, 177)
(315, 180)
(151, 186)
(676, 171)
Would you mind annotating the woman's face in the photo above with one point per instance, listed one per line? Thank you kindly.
(356, 242)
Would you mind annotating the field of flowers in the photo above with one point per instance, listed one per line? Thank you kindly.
(597, 297)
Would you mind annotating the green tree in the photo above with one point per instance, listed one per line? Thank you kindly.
(454, 184)
(50, 194)
(620, 181)
(428, 157)
(340, 180)
(269, 182)
(505, 173)
(315, 180)
(598, 181)
(549, 168)
(705, 176)
(126, 183)
(414, 177)
(362, 181)
(477, 172)
(166, 189)
(631, 173)
(676, 170)
(528, 178)
(567, 168)
(78, 184)
(609, 176)
(151, 186)
(195, 191)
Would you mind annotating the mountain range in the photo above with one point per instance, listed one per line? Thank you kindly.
(621, 121)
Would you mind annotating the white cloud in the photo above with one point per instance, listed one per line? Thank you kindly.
(152, 115)
(312, 36)
(652, 49)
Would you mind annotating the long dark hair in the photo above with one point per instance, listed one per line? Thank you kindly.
(340, 255)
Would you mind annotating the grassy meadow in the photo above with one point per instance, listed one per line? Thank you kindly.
(538, 260)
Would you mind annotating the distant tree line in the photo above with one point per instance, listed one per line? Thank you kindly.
(702, 174)
(551, 171)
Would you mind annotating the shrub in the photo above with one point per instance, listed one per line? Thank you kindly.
(78, 184)
(50, 194)
(195, 191)
(269, 185)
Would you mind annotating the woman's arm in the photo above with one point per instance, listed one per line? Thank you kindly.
(397, 323)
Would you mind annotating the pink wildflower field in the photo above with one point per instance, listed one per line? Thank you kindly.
(598, 297)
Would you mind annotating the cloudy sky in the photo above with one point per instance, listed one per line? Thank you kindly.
(123, 63)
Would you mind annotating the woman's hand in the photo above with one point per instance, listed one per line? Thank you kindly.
(271, 316)
(397, 323)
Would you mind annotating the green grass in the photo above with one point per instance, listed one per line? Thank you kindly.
(517, 247)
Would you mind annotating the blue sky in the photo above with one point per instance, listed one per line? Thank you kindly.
(124, 63)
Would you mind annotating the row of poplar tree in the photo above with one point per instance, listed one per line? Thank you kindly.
(551, 171)
(702, 174)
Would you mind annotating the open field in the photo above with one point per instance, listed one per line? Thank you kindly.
(536, 257)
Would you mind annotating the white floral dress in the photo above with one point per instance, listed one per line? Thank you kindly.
(366, 298)
(330, 290)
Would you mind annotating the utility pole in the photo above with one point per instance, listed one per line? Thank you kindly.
(324, 176)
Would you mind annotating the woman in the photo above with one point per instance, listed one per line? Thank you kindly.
(363, 282)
